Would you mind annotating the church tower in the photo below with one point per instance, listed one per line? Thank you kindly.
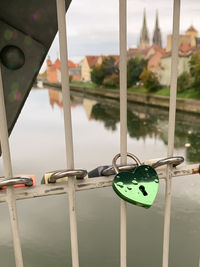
(157, 40)
(144, 36)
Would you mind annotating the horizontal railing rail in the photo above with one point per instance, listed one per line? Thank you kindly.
(90, 183)
(10, 195)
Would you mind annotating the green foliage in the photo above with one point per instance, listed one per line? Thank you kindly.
(149, 80)
(135, 67)
(195, 70)
(184, 81)
(106, 113)
(108, 66)
(111, 81)
(107, 71)
(97, 75)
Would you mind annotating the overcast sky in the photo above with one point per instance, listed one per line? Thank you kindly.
(93, 25)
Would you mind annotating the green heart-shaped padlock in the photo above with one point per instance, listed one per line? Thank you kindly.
(139, 187)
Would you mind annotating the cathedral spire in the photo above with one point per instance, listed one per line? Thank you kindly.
(157, 39)
(144, 36)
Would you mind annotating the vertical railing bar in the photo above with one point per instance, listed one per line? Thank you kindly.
(61, 11)
(171, 128)
(7, 165)
(123, 122)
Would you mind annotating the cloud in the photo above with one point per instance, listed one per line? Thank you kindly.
(93, 25)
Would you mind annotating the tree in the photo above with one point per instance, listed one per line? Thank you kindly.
(97, 75)
(107, 69)
(149, 80)
(111, 80)
(135, 67)
(184, 81)
(195, 70)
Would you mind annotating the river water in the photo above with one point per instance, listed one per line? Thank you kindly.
(37, 146)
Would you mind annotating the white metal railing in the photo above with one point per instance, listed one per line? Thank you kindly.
(70, 187)
(123, 121)
(61, 12)
(91, 183)
(171, 129)
(7, 165)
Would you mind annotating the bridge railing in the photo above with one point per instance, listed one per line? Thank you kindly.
(11, 195)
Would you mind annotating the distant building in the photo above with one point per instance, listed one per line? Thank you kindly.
(190, 37)
(91, 61)
(144, 35)
(157, 39)
(144, 53)
(159, 60)
(144, 50)
(54, 71)
(155, 55)
(184, 55)
(87, 64)
(154, 49)
(192, 32)
(137, 52)
(188, 45)
(74, 71)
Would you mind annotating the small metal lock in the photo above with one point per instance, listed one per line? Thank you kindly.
(138, 187)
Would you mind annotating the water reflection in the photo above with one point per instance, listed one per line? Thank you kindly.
(142, 121)
(55, 99)
(153, 122)
(37, 144)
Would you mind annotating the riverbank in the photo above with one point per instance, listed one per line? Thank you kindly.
(183, 104)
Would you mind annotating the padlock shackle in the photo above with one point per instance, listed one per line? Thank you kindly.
(78, 173)
(174, 161)
(128, 155)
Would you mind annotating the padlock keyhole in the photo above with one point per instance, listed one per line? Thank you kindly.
(142, 189)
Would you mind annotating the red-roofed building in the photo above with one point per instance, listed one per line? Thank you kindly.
(184, 55)
(71, 64)
(90, 61)
(190, 37)
(185, 49)
(154, 63)
(57, 64)
(145, 53)
(135, 52)
(86, 66)
(54, 71)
